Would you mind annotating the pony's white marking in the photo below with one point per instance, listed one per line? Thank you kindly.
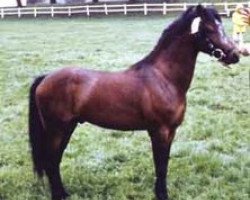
(195, 25)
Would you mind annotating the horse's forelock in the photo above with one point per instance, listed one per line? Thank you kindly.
(212, 15)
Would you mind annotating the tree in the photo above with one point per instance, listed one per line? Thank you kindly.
(19, 3)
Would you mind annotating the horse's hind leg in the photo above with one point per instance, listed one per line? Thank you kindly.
(58, 135)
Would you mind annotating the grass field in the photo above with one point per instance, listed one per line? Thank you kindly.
(210, 156)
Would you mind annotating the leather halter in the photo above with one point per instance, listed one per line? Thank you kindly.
(203, 41)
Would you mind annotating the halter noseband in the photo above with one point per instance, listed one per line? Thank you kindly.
(212, 50)
(215, 52)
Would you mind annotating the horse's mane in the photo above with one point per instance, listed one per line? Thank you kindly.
(176, 29)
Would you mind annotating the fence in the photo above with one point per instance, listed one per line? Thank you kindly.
(224, 8)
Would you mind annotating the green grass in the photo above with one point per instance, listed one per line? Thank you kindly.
(210, 156)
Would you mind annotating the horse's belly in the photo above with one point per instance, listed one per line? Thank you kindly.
(119, 126)
(115, 120)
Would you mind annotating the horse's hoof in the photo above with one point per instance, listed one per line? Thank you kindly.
(162, 197)
(161, 190)
(62, 196)
(65, 195)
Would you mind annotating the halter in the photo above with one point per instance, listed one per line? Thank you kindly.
(215, 52)
(212, 49)
(201, 42)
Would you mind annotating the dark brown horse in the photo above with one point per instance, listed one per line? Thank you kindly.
(150, 95)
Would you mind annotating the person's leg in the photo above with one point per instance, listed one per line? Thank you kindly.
(241, 40)
(236, 38)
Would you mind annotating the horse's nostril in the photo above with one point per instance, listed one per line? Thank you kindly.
(235, 58)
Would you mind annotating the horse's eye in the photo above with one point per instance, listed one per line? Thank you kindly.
(210, 31)
(210, 28)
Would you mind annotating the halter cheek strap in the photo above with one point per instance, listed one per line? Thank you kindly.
(212, 50)
(216, 52)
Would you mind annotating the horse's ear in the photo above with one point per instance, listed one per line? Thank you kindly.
(201, 11)
(200, 15)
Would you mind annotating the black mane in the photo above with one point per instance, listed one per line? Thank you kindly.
(175, 29)
(183, 23)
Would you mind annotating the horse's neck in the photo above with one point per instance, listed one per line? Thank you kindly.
(177, 62)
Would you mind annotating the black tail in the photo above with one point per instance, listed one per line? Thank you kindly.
(36, 130)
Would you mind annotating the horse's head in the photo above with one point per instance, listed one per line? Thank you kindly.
(210, 36)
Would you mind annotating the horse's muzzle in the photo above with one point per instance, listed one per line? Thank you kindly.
(230, 57)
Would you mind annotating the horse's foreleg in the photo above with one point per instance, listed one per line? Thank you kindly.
(161, 144)
(57, 140)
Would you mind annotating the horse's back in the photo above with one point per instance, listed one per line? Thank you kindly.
(111, 100)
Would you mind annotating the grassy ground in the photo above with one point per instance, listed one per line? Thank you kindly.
(210, 156)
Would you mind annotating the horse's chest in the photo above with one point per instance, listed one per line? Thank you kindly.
(168, 111)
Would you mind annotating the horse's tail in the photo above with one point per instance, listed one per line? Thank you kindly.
(36, 130)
